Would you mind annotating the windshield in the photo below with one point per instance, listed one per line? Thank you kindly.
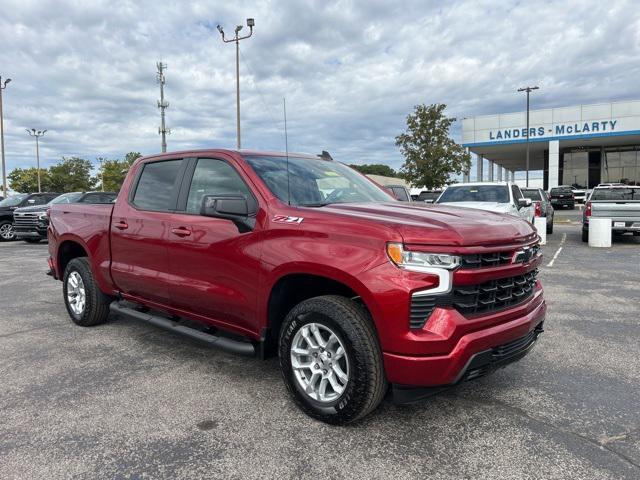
(475, 193)
(616, 194)
(532, 194)
(428, 195)
(315, 182)
(66, 198)
(13, 201)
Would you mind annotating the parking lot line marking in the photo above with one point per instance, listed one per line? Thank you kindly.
(564, 237)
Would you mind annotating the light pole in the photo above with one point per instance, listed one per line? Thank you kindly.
(4, 170)
(37, 133)
(250, 24)
(528, 90)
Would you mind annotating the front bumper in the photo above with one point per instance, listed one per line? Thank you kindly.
(455, 366)
(30, 232)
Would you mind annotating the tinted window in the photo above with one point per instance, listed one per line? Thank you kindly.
(532, 194)
(400, 193)
(13, 201)
(516, 192)
(98, 198)
(428, 196)
(214, 177)
(40, 199)
(156, 185)
(315, 182)
(561, 191)
(67, 198)
(615, 194)
(476, 193)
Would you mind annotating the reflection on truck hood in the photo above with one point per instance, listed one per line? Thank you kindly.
(489, 206)
(31, 208)
(439, 224)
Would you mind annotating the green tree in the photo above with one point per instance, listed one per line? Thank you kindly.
(25, 180)
(71, 175)
(113, 172)
(431, 156)
(375, 169)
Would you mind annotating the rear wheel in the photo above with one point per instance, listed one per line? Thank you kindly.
(550, 227)
(7, 232)
(85, 302)
(331, 360)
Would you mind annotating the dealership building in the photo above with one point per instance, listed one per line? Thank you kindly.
(582, 145)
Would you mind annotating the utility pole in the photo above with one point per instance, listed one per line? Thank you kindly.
(528, 90)
(162, 104)
(37, 133)
(250, 23)
(4, 170)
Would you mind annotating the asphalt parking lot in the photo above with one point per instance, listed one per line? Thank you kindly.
(126, 400)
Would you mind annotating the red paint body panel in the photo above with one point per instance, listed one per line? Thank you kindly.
(205, 269)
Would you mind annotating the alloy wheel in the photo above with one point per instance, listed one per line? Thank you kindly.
(76, 296)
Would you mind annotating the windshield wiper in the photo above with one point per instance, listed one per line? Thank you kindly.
(318, 204)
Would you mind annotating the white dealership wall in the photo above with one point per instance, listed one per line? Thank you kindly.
(502, 135)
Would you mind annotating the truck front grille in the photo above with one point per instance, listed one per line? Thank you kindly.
(25, 219)
(494, 259)
(471, 300)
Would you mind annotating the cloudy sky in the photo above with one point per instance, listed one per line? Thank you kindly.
(350, 71)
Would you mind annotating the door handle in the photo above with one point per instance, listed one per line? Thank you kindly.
(181, 231)
(121, 225)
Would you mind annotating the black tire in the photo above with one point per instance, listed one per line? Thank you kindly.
(585, 235)
(32, 240)
(96, 309)
(7, 226)
(351, 323)
(550, 227)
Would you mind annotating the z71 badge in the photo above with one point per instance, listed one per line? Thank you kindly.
(286, 219)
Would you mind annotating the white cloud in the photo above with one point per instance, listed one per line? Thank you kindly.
(350, 71)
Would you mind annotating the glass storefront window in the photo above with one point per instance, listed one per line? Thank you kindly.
(622, 166)
(576, 169)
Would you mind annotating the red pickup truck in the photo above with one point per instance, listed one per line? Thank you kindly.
(299, 255)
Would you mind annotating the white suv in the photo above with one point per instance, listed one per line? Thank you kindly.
(501, 197)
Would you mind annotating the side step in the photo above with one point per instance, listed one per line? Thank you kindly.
(224, 343)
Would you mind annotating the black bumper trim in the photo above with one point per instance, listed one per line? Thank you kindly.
(479, 365)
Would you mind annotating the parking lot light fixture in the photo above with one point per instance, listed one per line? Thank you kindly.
(250, 23)
(37, 133)
(3, 85)
(528, 90)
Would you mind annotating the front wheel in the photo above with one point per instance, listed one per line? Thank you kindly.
(585, 235)
(86, 304)
(331, 360)
(7, 232)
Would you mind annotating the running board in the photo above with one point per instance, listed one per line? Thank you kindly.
(224, 343)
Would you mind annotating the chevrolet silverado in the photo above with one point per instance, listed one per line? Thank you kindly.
(301, 256)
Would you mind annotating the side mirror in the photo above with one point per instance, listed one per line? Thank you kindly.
(430, 200)
(230, 207)
(524, 202)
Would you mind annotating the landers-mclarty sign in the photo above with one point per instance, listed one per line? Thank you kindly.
(559, 130)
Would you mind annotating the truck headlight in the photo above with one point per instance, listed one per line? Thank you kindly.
(43, 217)
(409, 259)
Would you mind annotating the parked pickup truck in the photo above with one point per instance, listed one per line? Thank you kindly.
(501, 197)
(259, 253)
(619, 203)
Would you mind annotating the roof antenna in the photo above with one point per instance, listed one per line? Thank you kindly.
(286, 147)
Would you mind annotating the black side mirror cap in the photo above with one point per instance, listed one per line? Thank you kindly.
(230, 207)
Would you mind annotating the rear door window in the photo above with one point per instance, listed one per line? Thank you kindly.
(534, 195)
(157, 186)
(400, 193)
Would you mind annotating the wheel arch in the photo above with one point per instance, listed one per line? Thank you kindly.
(294, 286)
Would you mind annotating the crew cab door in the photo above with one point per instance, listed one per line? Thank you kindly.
(140, 231)
(215, 268)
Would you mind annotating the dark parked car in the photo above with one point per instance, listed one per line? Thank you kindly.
(542, 205)
(563, 196)
(8, 205)
(30, 223)
(428, 196)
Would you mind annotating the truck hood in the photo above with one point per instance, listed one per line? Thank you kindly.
(489, 206)
(32, 208)
(440, 224)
